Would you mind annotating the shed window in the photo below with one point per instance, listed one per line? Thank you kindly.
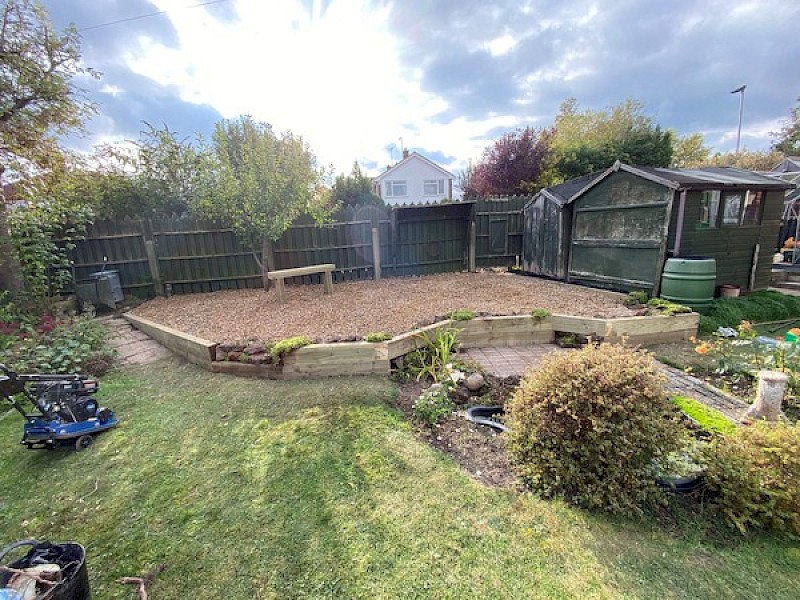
(732, 211)
(709, 208)
(432, 187)
(753, 208)
(396, 189)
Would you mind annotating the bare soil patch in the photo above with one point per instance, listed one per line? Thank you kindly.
(357, 308)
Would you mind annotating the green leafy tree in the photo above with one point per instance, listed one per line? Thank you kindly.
(787, 140)
(38, 101)
(260, 183)
(689, 151)
(587, 141)
(354, 190)
(752, 160)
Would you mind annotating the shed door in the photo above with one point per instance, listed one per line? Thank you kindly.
(498, 236)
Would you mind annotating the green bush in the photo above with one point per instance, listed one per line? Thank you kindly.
(286, 345)
(461, 315)
(540, 314)
(434, 404)
(757, 307)
(635, 298)
(708, 418)
(591, 425)
(377, 337)
(433, 358)
(64, 349)
(756, 474)
(668, 308)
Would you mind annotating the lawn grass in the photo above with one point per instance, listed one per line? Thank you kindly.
(708, 418)
(263, 489)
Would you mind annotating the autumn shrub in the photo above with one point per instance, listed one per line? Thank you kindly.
(755, 472)
(591, 425)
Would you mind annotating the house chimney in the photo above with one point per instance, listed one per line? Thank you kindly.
(388, 167)
(405, 153)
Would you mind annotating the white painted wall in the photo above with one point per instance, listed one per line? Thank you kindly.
(415, 171)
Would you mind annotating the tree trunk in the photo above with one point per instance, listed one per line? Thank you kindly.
(10, 278)
(769, 396)
(267, 262)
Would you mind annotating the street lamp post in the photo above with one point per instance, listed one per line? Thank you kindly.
(739, 90)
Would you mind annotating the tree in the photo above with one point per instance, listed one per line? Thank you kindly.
(689, 151)
(259, 183)
(354, 190)
(787, 140)
(592, 140)
(38, 98)
(520, 162)
(752, 160)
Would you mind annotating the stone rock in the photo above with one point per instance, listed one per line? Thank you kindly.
(233, 356)
(475, 382)
(220, 354)
(226, 347)
(255, 348)
(461, 396)
(256, 358)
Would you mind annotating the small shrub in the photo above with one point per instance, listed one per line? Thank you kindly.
(708, 418)
(540, 314)
(591, 425)
(461, 315)
(286, 345)
(666, 307)
(434, 404)
(244, 357)
(756, 474)
(62, 350)
(433, 358)
(636, 298)
(377, 337)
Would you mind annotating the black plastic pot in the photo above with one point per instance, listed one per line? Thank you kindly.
(682, 485)
(482, 415)
(69, 556)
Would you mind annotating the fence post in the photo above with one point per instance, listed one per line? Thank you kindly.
(376, 252)
(472, 243)
(152, 261)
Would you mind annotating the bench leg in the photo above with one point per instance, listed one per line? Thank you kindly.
(280, 287)
(328, 282)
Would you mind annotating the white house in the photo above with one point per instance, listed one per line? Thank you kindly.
(414, 180)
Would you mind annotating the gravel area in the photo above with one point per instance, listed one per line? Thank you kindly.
(357, 308)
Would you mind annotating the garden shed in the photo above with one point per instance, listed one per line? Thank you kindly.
(615, 229)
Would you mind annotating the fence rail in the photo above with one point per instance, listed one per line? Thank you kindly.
(190, 255)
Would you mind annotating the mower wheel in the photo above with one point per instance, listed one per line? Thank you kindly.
(83, 442)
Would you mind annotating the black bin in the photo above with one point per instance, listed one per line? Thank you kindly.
(71, 557)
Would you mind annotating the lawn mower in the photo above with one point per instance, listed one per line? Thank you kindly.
(65, 411)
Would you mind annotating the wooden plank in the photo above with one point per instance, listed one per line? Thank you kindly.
(194, 349)
(299, 271)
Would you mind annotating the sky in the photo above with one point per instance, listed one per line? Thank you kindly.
(358, 80)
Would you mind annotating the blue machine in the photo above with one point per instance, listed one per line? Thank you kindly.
(66, 412)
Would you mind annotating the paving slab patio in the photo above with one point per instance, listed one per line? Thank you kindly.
(508, 362)
(133, 347)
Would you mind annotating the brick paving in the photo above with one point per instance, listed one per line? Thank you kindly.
(506, 362)
(133, 347)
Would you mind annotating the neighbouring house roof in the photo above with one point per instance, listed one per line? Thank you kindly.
(676, 179)
(788, 165)
(413, 156)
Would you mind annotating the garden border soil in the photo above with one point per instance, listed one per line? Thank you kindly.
(363, 358)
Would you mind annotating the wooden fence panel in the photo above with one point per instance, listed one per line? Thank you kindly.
(499, 224)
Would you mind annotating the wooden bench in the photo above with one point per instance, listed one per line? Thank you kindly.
(281, 274)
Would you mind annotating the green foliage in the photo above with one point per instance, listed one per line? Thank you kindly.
(787, 140)
(756, 474)
(43, 235)
(434, 404)
(589, 426)
(461, 315)
(540, 314)
(259, 182)
(286, 345)
(433, 358)
(38, 98)
(668, 308)
(636, 297)
(589, 141)
(757, 307)
(753, 160)
(70, 347)
(377, 337)
(354, 190)
(689, 151)
(708, 418)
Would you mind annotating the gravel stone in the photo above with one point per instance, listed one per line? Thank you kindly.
(357, 308)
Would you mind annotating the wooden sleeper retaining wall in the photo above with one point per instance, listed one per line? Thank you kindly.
(364, 358)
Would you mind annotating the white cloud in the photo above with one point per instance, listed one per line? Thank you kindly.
(501, 45)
